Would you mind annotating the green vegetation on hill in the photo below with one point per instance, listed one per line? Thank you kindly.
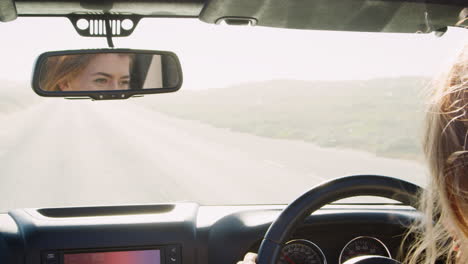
(381, 116)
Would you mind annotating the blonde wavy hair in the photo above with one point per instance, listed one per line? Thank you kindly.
(442, 234)
(59, 69)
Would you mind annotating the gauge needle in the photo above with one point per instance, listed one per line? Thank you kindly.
(288, 259)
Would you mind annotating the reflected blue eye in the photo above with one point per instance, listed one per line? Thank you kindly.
(100, 81)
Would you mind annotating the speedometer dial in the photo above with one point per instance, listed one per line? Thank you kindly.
(301, 251)
(361, 246)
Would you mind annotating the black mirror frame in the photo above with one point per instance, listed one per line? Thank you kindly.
(101, 95)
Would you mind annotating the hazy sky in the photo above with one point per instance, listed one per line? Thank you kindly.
(217, 56)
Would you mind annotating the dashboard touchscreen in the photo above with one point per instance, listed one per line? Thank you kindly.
(150, 256)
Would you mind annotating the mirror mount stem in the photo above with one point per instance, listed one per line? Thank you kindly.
(110, 43)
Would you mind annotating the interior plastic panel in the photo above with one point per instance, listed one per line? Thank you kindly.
(180, 8)
(168, 227)
(11, 244)
(354, 15)
(7, 10)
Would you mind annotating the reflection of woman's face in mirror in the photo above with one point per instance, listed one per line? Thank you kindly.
(103, 73)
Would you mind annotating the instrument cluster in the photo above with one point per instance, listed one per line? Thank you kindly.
(302, 251)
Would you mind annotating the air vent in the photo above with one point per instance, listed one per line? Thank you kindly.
(106, 210)
(95, 25)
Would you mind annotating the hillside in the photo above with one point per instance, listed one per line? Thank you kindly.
(382, 116)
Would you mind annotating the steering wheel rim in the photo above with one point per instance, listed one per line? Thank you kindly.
(369, 185)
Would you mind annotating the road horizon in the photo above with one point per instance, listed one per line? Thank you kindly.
(74, 153)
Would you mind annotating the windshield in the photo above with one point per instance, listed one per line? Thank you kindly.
(263, 115)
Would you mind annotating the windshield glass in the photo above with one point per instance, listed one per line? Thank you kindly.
(263, 115)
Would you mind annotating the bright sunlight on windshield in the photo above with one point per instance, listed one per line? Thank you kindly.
(263, 115)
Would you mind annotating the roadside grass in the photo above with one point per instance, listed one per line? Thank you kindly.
(381, 116)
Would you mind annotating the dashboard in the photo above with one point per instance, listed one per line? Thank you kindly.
(189, 233)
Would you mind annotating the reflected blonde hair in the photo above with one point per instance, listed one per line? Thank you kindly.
(442, 234)
(59, 69)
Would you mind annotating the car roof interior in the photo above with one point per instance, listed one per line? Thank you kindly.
(352, 15)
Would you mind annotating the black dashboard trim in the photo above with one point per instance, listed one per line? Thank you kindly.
(226, 236)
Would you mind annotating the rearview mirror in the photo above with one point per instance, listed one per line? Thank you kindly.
(106, 73)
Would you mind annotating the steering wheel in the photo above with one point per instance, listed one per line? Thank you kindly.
(325, 193)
